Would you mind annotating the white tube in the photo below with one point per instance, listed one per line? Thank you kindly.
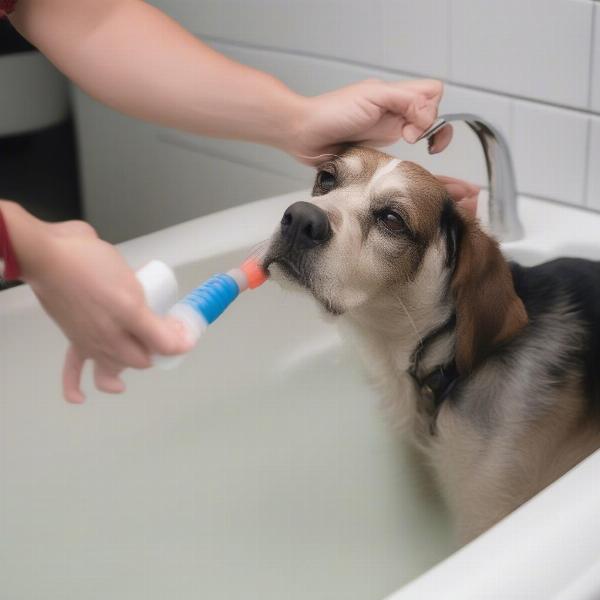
(161, 292)
(160, 286)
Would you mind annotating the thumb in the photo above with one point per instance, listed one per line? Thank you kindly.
(161, 335)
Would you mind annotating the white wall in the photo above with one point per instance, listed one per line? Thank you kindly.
(531, 67)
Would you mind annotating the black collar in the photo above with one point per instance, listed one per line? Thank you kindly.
(436, 385)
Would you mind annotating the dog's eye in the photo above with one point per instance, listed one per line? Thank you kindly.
(325, 181)
(391, 220)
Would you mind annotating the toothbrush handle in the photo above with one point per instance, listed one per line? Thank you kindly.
(212, 298)
(198, 310)
(201, 307)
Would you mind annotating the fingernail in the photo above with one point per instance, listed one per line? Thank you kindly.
(75, 398)
(411, 138)
(179, 327)
(184, 334)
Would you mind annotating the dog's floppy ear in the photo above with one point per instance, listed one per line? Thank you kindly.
(488, 310)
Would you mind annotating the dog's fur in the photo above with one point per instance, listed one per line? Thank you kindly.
(523, 406)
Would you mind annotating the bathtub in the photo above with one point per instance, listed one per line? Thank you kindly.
(262, 467)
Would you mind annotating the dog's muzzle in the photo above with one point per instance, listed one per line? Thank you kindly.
(304, 226)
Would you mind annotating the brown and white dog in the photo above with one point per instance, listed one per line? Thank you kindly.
(492, 367)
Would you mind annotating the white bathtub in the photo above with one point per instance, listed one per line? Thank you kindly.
(262, 468)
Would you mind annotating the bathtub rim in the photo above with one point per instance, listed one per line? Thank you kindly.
(212, 235)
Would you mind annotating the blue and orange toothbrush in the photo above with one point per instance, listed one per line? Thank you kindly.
(203, 305)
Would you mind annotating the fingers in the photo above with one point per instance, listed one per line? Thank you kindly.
(419, 119)
(469, 204)
(128, 352)
(166, 336)
(386, 131)
(430, 88)
(106, 377)
(416, 102)
(458, 188)
(71, 377)
(74, 228)
(464, 193)
(440, 140)
(153, 334)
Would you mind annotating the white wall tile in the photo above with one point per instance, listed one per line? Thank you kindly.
(349, 29)
(595, 83)
(593, 184)
(534, 48)
(415, 36)
(549, 151)
(462, 159)
(495, 109)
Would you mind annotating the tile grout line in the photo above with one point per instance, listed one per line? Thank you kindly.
(449, 61)
(594, 33)
(588, 131)
(389, 70)
(586, 165)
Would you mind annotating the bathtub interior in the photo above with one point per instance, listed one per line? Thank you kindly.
(263, 467)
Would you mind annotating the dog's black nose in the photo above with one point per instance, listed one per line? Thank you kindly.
(305, 225)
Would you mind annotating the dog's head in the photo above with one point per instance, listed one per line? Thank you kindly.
(380, 233)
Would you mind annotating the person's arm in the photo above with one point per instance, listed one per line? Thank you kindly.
(134, 58)
(86, 286)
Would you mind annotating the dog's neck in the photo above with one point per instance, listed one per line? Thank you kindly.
(406, 326)
(406, 347)
(399, 318)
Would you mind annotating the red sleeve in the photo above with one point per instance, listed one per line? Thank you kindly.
(8, 260)
(6, 7)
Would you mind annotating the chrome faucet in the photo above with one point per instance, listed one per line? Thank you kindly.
(504, 219)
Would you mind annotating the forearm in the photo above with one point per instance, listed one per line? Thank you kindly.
(26, 237)
(132, 57)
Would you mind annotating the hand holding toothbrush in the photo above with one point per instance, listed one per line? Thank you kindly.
(86, 286)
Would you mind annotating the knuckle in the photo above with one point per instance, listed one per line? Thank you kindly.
(129, 303)
(83, 228)
(142, 361)
(167, 346)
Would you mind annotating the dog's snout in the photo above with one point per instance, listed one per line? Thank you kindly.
(305, 225)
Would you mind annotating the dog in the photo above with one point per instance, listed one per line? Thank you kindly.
(491, 367)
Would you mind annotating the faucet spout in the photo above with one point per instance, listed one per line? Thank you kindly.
(504, 219)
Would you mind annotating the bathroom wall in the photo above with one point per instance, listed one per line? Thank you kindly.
(531, 67)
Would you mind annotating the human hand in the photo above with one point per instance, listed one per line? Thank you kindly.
(85, 285)
(372, 112)
(465, 194)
